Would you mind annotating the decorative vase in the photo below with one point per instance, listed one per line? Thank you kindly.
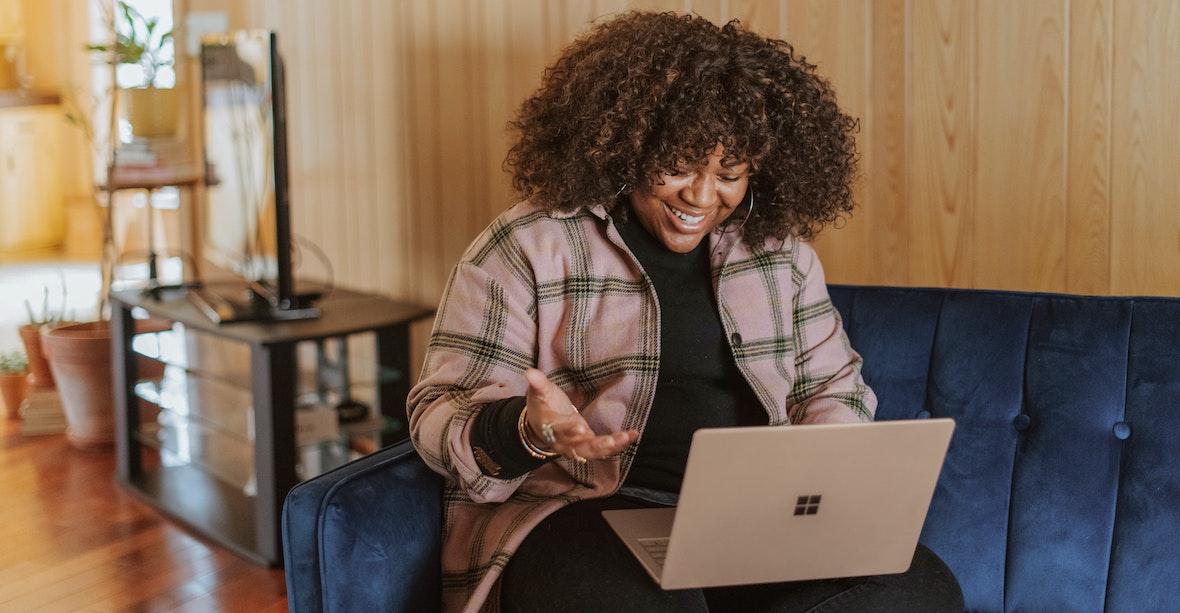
(80, 357)
(152, 111)
(12, 393)
(39, 373)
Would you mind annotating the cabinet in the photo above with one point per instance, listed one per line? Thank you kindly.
(216, 423)
(32, 201)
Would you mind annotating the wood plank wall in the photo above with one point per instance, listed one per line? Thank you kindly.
(1014, 144)
(1006, 144)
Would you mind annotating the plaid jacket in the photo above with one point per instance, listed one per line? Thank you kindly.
(561, 291)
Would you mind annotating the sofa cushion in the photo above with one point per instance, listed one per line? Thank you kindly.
(1057, 477)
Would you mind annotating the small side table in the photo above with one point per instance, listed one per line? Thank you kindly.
(148, 181)
(212, 419)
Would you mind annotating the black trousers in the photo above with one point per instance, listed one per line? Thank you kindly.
(574, 562)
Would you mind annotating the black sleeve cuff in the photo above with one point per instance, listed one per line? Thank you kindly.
(495, 440)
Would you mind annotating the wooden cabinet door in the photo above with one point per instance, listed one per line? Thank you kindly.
(32, 205)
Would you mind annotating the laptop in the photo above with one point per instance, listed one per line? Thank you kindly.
(792, 503)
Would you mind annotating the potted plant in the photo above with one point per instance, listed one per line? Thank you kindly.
(14, 370)
(80, 356)
(40, 374)
(152, 111)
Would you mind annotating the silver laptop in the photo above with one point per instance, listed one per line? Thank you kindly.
(792, 503)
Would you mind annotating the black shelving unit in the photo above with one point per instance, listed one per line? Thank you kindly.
(214, 446)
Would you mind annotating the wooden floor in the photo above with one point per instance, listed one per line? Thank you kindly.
(71, 540)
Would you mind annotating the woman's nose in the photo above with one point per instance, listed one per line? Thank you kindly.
(701, 192)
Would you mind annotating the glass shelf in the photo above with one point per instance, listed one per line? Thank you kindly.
(199, 354)
(183, 415)
(185, 442)
(216, 358)
(212, 403)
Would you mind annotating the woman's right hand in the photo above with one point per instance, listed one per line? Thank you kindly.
(573, 438)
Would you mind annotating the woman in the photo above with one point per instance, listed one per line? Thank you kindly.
(654, 281)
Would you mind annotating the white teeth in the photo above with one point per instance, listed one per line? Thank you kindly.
(688, 219)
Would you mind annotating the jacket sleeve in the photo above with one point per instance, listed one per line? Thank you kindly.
(484, 337)
(828, 386)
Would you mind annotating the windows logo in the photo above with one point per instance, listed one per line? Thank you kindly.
(807, 505)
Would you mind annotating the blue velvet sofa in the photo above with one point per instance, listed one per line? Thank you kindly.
(1060, 492)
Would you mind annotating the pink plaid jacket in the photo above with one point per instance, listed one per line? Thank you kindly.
(561, 292)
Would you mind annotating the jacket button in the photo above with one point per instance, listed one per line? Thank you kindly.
(923, 414)
(1021, 422)
(1122, 430)
(736, 339)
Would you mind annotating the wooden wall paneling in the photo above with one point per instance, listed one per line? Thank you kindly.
(388, 126)
(409, 134)
(363, 204)
(343, 151)
(1087, 248)
(603, 9)
(1020, 215)
(579, 14)
(716, 11)
(422, 89)
(319, 126)
(832, 36)
(399, 113)
(1145, 187)
(496, 109)
(761, 16)
(528, 55)
(656, 5)
(939, 142)
(453, 111)
(296, 44)
(884, 210)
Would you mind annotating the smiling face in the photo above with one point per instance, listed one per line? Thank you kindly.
(685, 205)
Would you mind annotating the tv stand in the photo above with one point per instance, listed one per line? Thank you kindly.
(207, 414)
(255, 305)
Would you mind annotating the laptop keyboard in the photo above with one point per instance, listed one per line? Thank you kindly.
(657, 548)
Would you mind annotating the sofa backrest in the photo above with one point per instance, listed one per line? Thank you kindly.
(1060, 491)
(1061, 488)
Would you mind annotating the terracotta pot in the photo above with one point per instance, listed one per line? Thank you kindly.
(39, 373)
(12, 393)
(152, 111)
(80, 357)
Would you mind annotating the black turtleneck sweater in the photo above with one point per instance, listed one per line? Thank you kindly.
(699, 385)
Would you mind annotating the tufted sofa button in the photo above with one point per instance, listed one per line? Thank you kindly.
(1021, 422)
(923, 414)
(1122, 430)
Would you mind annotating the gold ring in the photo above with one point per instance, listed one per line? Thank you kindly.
(547, 434)
(578, 458)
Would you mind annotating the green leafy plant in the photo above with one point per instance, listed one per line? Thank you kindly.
(13, 362)
(137, 42)
(49, 314)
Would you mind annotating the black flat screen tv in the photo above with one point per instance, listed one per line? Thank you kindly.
(246, 230)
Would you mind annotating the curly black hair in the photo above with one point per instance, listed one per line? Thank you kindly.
(648, 92)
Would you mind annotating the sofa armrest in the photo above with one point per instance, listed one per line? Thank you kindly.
(365, 536)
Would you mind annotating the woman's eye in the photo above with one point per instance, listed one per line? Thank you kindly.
(731, 179)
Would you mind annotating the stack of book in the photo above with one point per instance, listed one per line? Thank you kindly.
(152, 160)
(41, 412)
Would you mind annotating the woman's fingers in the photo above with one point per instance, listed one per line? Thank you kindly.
(572, 436)
(550, 396)
(595, 447)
